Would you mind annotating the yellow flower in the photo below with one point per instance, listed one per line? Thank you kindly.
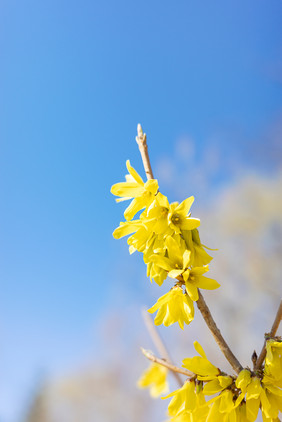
(178, 218)
(138, 241)
(258, 394)
(199, 256)
(156, 217)
(200, 365)
(196, 280)
(176, 263)
(188, 403)
(273, 362)
(142, 193)
(243, 379)
(155, 378)
(154, 271)
(174, 306)
(223, 408)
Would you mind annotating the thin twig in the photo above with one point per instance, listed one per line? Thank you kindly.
(141, 140)
(272, 333)
(142, 143)
(204, 309)
(163, 362)
(159, 344)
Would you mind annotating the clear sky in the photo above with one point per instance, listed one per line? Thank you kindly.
(75, 79)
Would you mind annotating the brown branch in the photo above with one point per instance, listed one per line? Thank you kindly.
(141, 140)
(272, 333)
(159, 344)
(142, 143)
(204, 309)
(163, 362)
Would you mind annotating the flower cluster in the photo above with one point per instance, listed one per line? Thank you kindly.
(235, 399)
(167, 236)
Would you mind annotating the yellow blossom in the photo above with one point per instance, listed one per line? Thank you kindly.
(176, 263)
(273, 362)
(200, 365)
(188, 401)
(174, 306)
(156, 218)
(134, 188)
(199, 256)
(178, 216)
(154, 271)
(258, 393)
(196, 280)
(154, 378)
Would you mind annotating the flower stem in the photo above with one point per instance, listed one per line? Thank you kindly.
(204, 309)
(272, 333)
(163, 362)
(141, 140)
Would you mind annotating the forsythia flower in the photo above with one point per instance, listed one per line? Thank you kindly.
(199, 256)
(188, 403)
(195, 280)
(176, 263)
(263, 393)
(142, 193)
(174, 306)
(155, 378)
(200, 365)
(273, 361)
(178, 218)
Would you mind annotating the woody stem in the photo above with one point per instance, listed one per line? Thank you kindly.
(272, 333)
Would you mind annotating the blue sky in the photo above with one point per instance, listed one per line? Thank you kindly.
(75, 79)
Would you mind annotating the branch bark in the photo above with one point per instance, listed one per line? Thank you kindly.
(141, 140)
(206, 314)
(272, 333)
(203, 308)
(163, 362)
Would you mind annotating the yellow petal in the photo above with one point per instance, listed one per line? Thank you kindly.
(199, 349)
(207, 283)
(252, 408)
(128, 190)
(192, 290)
(243, 379)
(185, 206)
(190, 223)
(200, 365)
(126, 228)
(134, 173)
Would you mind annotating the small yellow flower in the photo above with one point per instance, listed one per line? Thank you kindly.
(273, 361)
(199, 256)
(188, 403)
(178, 218)
(243, 379)
(174, 306)
(177, 262)
(154, 378)
(258, 394)
(196, 280)
(156, 217)
(200, 365)
(134, 188)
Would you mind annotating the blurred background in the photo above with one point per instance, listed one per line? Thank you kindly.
(204, 79)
